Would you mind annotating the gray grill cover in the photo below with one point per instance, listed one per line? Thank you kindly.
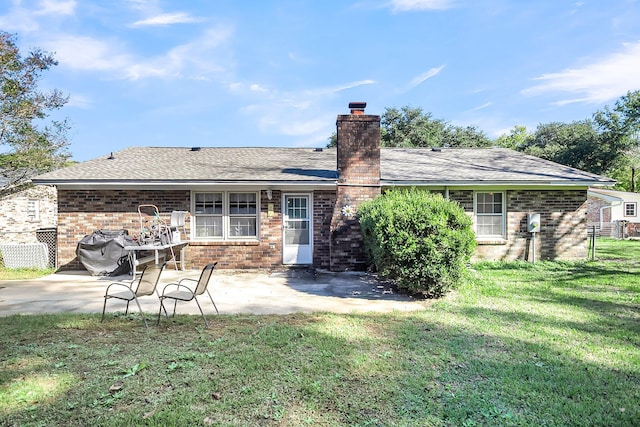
(102, 252)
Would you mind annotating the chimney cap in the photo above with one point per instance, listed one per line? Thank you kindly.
(357, 105)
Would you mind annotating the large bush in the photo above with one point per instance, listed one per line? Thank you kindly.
(418, 239)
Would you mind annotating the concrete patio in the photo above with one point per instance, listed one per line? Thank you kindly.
(251, 292)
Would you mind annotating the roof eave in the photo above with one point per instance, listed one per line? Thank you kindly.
(512, 183)
(173, 185)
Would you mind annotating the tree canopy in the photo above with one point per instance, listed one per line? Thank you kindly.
(412, 127)
(606, 144)
(30, 142)
(575, 144)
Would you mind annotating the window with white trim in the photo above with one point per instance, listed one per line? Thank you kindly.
(489, 209)
(33, 210)
(225, 215)
(630, 209)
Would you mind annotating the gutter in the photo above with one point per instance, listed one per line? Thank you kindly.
(173, 185)
(559, 183)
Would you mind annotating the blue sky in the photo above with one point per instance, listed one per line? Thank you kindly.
(277, 73)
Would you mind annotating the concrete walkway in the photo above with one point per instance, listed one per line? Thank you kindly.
(233, 292)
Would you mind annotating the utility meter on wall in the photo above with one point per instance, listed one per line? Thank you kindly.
(534, 223)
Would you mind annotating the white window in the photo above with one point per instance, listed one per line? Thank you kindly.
(33, 210)
(630, 209)
(490, 215)
(225, 215)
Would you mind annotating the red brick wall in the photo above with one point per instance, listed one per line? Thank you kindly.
(264, 254)
(563, 233)
(358, 180)
(323, 207)
(358, 149)
(594, 209)
(632, 229)
(83, 211)
(337, 241)
(347, 246)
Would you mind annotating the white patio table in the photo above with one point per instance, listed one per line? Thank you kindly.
(158, 252)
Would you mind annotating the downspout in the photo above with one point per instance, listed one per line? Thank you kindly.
(619, 202)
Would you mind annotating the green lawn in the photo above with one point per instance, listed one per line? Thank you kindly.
(520, 344)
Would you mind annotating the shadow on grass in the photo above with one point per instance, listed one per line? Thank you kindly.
(427, 368)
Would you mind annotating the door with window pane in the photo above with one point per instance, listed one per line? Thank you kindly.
(297, 233)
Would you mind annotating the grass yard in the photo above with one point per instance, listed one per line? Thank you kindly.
(545, 344)
(24, 273)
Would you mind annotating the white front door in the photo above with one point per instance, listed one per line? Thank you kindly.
(297, 247)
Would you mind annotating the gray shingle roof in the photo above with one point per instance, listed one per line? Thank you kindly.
(206, 164)
(183, 166)
(472, 165)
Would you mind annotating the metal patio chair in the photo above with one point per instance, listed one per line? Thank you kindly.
(182, 292)
(145, 285)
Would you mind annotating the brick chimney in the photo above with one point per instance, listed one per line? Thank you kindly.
(358, 180)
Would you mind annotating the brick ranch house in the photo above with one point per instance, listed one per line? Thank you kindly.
(269, 207)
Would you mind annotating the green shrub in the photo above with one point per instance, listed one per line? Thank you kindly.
(418, 239)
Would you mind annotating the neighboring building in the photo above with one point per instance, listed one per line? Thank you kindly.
(614, 213)
(25, 212)
(269, 207)
(28, 216)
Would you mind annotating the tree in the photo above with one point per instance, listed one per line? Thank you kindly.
(464, 137)
(29, 143)
(518, 138)
(575, 144)
(619, 129)
(411, 127)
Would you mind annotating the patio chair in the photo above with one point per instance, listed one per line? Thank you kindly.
(182, 292)
(145, 285)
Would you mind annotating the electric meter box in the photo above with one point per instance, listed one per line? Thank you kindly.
(534, 223)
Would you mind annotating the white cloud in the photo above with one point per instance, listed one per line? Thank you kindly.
(56, 7)
(87, 53)
(79, 101)
(166, 19)
(409, 5)
(190, 60)
(482, 107)
(23, 20)
(425, 76)
(598, 82)
(339, 88)
(258, 88)
(20, 20)
(307, 115)
(577, 5)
